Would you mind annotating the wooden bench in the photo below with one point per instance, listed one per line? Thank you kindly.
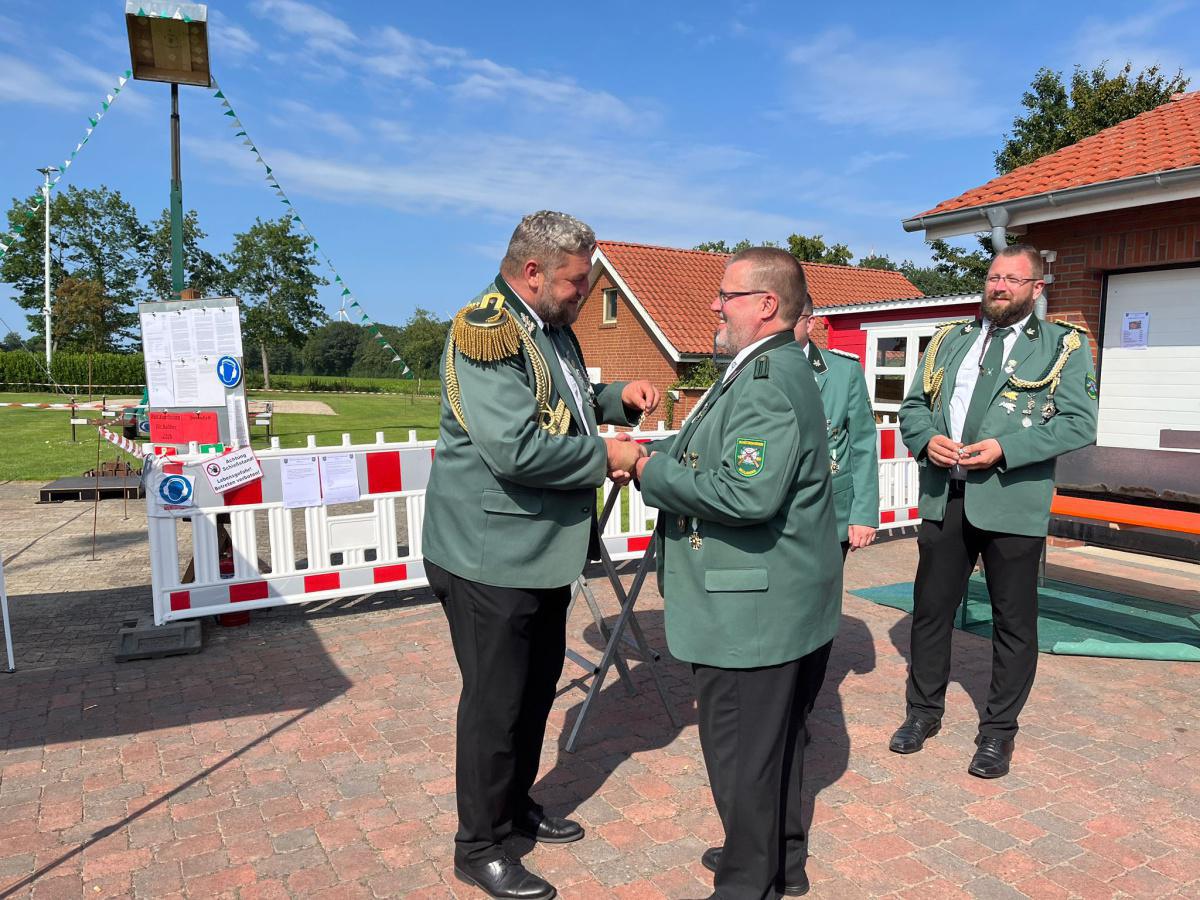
(1122, 513)
(260, 412)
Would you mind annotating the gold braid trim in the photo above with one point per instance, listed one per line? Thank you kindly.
(931, 380)
(487, 332)
(1070, 343)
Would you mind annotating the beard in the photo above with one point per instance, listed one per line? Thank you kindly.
(554, 313)
(730, 340)
(1003, 316)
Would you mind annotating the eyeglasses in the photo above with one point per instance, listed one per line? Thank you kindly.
(723, 297)
(1009, 279)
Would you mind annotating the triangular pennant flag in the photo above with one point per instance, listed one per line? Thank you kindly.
(218, 94)
(110, 98)
(94, 123)
(229, 112)
(128, 75)
(19, 229)
(104, 105)
(225, 103)
(89, 133)
(345, 291)
(121, 83)
(355, 303)
(3, 247)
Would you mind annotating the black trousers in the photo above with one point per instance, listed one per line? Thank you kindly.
(751, 733)
(509, 643)
(948, 551)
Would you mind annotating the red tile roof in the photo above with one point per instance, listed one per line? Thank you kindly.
(1165, 138)
(675, 287)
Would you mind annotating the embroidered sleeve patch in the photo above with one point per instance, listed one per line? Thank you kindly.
(749, 455)
(1090, 385)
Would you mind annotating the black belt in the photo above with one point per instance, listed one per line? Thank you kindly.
(957, 488)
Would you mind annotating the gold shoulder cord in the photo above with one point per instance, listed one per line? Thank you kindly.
(1070, 343)
(487, 332)
(931, 380)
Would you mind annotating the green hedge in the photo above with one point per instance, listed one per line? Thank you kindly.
(345, 383)
(20, 367)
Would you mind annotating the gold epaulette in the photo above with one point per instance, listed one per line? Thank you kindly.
(952, 323)
(845, 353)
(485, 331)
(1066, 324)
(931, 377)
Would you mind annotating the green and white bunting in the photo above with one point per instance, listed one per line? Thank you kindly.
(7, 240)
(272, 182)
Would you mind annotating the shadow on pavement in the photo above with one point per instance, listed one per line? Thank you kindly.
(970, 663)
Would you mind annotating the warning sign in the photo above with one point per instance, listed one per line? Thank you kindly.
(182, 428)
(232, 470)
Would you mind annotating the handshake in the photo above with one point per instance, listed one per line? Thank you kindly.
(623, 456)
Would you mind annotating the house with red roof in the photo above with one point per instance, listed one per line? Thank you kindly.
(647, 313)
(1117, 217)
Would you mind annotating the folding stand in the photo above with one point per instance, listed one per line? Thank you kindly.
(614, 636)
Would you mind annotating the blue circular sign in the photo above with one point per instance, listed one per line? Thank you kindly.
(175, 490)
(229, 371)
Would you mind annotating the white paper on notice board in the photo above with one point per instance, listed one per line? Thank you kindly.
(239, 428)
(159, 383)
(339, 478)
(228, 330)
(300, 480)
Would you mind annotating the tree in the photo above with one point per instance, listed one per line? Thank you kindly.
(954, 270)
(97, 237)
(1096, 101)
(271, 269)
(877, 261)
(82, 316)
(202, 270)
(419, 342)
(722, 247)
(330, 350)
(12, 341)
(814, 249)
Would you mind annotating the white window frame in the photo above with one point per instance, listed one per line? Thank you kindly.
(616, 298)
(912, 330)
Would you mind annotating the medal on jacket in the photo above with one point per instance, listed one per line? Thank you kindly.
(834, 466)
(696, 540)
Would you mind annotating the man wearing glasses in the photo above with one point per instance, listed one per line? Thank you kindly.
(750, 568)
(995, 402)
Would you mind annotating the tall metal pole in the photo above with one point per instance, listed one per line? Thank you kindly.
(176, 199)
(46, 270)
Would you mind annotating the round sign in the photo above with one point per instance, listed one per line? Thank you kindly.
(175, 490)
(229, 371)
(143, 425)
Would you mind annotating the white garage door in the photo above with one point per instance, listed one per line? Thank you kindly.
(1143, 391)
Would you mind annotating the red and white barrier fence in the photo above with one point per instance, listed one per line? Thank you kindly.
(207, 556)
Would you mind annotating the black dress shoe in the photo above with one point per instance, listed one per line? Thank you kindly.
(505, 878)
(547, 829)
(911, 736)
(993, 757)
(711, 858)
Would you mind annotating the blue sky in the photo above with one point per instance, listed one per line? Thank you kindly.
(412, 136)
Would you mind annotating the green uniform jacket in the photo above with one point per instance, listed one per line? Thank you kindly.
(507, 503)
(750, 476)
(852, 436)
(1014, 495)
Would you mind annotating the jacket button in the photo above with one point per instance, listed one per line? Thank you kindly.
(586, 509)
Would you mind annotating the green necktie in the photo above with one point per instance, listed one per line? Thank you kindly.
(985, 385)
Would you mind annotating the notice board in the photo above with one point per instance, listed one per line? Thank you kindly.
(194, 373)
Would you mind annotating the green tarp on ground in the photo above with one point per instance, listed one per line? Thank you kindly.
(1080, 621)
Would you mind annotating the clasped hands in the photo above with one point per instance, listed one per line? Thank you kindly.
(623, 451)
(944, 452)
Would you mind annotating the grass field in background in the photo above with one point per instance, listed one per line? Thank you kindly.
(35, 444)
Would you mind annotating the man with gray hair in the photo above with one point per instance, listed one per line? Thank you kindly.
(510, 521)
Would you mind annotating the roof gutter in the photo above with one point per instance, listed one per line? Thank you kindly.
(977, 218)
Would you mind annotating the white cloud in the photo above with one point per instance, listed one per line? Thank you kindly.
(860, 162)
(391, 131)
(302, 117)
(882, 86)
(623, 196)
(21, 82)
(229, 39)
(12, 32)
(307, 21)
(1143, 39)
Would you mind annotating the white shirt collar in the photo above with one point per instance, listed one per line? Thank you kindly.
(743, 353)
(1017, 327)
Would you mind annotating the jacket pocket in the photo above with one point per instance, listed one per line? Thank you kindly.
(513, 503)
(729, 580)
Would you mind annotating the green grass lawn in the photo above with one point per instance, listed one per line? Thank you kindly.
(36, 443)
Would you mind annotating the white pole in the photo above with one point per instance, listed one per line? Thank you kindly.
(4, 613)
(46, 202)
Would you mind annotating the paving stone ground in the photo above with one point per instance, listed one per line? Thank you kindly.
(311, 752)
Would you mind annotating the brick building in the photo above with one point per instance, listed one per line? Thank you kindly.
(1118, 217)
(647, 315)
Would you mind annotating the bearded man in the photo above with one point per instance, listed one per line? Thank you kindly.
(996, 401)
